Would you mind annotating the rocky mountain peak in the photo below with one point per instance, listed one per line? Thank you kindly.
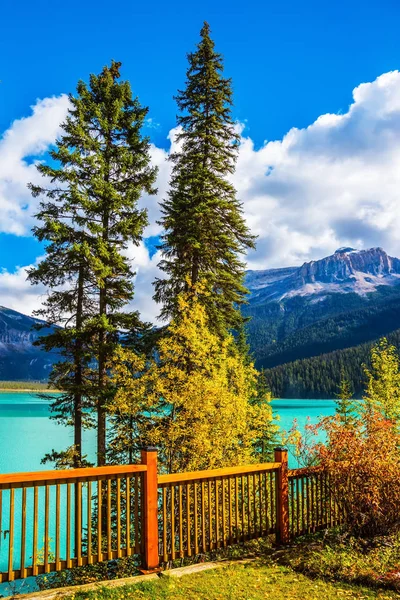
(347, 270)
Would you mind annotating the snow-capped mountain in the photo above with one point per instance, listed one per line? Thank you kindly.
(348, 298)
(19, 358)
(347, 270)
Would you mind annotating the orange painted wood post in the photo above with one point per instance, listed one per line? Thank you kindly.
(150, 507)
(282, 497)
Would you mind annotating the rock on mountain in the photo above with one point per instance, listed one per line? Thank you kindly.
(20, 360)
(337, 302)
(347, 270)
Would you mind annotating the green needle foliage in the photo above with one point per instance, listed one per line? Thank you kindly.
(90, 215)
(346, 406)
(205, 232)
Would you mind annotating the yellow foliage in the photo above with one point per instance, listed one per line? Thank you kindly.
(199, 395)
(383, 388)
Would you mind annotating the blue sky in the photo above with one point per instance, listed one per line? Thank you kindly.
(290, 63)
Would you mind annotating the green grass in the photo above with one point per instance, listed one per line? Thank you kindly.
(255, 581)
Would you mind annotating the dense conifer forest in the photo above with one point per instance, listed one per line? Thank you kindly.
(320, 376)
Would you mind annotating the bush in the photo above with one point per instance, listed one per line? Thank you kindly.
(363, 460)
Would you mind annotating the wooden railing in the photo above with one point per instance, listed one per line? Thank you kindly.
(312, 502)
(205, 510)
(55, 520)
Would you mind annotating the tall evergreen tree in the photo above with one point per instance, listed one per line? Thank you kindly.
(67, 309)
(103, 166)
(205, 232)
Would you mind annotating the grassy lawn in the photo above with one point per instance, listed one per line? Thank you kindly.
(239, 582)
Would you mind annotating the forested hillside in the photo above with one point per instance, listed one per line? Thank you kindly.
(284, 332)
(319, 377)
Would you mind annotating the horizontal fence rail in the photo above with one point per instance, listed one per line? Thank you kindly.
(205, 510)
(55, 520)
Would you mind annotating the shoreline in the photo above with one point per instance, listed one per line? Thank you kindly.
(28, 390)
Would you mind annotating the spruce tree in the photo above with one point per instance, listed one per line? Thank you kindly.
(102, 167)
(346, 405)
(205, 232)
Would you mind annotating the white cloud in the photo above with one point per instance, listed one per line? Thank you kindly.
(335, 183)
(25, 138)
(17, 293)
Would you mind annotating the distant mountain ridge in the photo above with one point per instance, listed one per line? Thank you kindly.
(347, 270)
(348, 298)
(20, 360)
(341, 301)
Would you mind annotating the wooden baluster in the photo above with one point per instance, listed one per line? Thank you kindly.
(23, 534)
(11, 538)
(237, 509)
(99, 520)
(291, 509)
(58, 502)
(230, 503)
(203, 518)
(172, 522)
(164, 523)
(89, 523)
(188, 521)
(196, 519)
(243, 508)
(217, 523)
(109, 532)
(248, 507)
(254, 533)
(46, 528)
(119, 549)
(128, 515)
(312, 498)
(35, 531)
(180, 520)
(78, 522)
(68, 525)
(223, 513)
(138, 539)
(260, 505)
(272, 497)
(210, 523)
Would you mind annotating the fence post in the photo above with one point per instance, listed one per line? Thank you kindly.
(150, 509)
(282, 497)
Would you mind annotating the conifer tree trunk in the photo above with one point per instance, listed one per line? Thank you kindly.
(78, 373)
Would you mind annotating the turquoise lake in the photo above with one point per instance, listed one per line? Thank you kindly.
(27, 434)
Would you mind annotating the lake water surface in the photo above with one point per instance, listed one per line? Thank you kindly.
(27, 434)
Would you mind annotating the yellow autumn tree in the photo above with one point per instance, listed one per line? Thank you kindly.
(197, 401)
(382, 392)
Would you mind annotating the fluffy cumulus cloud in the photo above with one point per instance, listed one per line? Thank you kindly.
(21, 146)
(334, 183)
(16, 293)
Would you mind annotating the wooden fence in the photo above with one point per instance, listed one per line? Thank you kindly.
(55, 520)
